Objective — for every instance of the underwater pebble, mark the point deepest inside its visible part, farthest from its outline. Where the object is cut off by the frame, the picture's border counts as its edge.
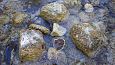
(58, 43)
(76, 4)
(84, 17)
(88, 7)
(57, 55)
(19, 17)
(58, 30)
(54, 12)
(87, 37)
(4, 19)
(31, 45)
(40, 27)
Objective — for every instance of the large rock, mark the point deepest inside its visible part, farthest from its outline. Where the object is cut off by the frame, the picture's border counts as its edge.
(54, 12)
(31, 45)
(88, 37)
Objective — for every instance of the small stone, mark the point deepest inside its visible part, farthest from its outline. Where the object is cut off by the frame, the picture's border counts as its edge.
(57, 55)
(88, 37)
(39, 27)
(58, 30)
(88, 7)
(4, 19)
(73, 3)
(51, 53)
(54, 12)
(31, 45)
(19, 17)
(58, 43)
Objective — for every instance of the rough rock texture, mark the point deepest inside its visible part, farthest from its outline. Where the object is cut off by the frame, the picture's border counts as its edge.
(88, 7)
(19, 17)
(87, 37)
(58, 30)
(39, 27)
(31, 45)
(4, 19)
(54, 12)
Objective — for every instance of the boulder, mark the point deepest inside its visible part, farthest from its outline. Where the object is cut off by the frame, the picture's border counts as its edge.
(88, 38)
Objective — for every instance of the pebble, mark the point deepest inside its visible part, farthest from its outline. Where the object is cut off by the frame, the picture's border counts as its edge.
(58, 30)
(19, 17)
(88, 7)
(57, 55)
(40, 27)
(59, 43)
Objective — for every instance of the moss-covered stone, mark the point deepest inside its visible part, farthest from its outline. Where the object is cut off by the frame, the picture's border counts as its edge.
(54, 12)
(87, 37)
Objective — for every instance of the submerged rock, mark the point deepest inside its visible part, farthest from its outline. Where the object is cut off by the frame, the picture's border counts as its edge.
(31, 45)
(19, 17)
(4, 19)
(58, 43)
(57, 55)
(87, 37)
(88, 7)
(58, 30)
(41, 28)
(54, 12)
(73, 3)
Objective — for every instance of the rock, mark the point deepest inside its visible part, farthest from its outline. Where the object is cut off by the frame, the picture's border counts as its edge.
(39, 27)
(95, 2)
(88, 38)
(19, 17)
(54, 12)
(58, 43)
(88, 7)
(4, 19)
(57, 55)
(58, 30)
(73, 3)
(31, 45)
(35, 1)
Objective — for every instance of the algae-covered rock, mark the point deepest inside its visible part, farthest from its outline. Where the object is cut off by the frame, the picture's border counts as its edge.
(54, 12)
(19, 17)
(40, 27)
(4, 19)
(31, 45)
(87, 37)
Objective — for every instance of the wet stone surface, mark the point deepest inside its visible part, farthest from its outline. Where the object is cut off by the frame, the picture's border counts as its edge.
(54, 45)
